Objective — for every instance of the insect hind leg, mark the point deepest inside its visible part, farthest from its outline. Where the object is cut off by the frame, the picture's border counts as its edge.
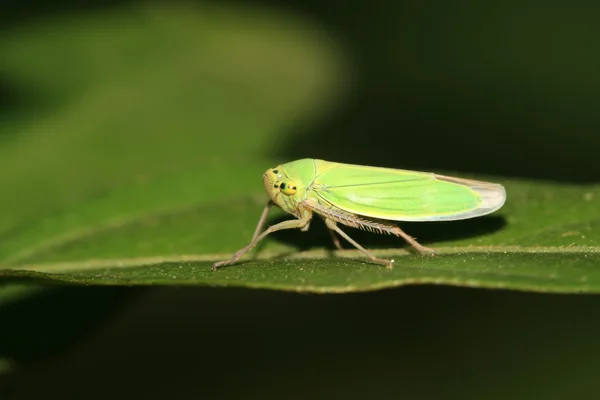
(412, 241)
(333, 216)
(331, 224)
(335, 239)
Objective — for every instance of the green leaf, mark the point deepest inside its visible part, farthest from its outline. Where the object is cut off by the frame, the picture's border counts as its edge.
(141, 164)
(543, 269)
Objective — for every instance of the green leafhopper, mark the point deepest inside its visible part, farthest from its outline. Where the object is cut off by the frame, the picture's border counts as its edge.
(368, 198)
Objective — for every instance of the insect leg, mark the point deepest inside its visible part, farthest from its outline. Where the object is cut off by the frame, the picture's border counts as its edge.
(355, 221)
(289, 224)
(410, 240)
(333, 226)
(262, 220)
(336, 240)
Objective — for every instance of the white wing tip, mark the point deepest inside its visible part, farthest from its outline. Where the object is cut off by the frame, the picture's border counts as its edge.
(493, 197)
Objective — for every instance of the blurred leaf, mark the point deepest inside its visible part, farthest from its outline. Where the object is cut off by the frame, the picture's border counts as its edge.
(51, 318)
(16, 291)
(141, 163)
(6, 365)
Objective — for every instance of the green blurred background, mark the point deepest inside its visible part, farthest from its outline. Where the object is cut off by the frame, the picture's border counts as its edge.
(112, 108)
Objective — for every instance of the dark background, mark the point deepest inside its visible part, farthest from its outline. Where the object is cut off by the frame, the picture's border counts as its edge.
(508, 88)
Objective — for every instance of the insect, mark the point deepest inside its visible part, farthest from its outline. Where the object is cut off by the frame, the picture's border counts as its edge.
(368, 198)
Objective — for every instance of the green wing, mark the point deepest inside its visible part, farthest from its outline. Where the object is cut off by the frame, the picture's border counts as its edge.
(402, 195)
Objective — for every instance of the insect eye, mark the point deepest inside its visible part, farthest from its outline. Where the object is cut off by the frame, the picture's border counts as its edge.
(288, 188)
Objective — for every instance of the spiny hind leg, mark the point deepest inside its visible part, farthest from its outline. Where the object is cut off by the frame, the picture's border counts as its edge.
(332, 216)
(333, 226)
(411, 240)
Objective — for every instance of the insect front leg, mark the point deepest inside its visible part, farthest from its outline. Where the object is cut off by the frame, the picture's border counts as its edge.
(290, 224)
(305, 227)
(263, 218)
(333, 226)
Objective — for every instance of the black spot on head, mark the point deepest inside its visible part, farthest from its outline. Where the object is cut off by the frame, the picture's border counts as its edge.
(275, 186)
(275, 171)
(294, 188)
(282, 185)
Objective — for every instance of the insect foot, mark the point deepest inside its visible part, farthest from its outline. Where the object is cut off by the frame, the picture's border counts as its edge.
(427, 251)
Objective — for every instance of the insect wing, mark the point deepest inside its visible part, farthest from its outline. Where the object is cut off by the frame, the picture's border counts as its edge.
(403, 195)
